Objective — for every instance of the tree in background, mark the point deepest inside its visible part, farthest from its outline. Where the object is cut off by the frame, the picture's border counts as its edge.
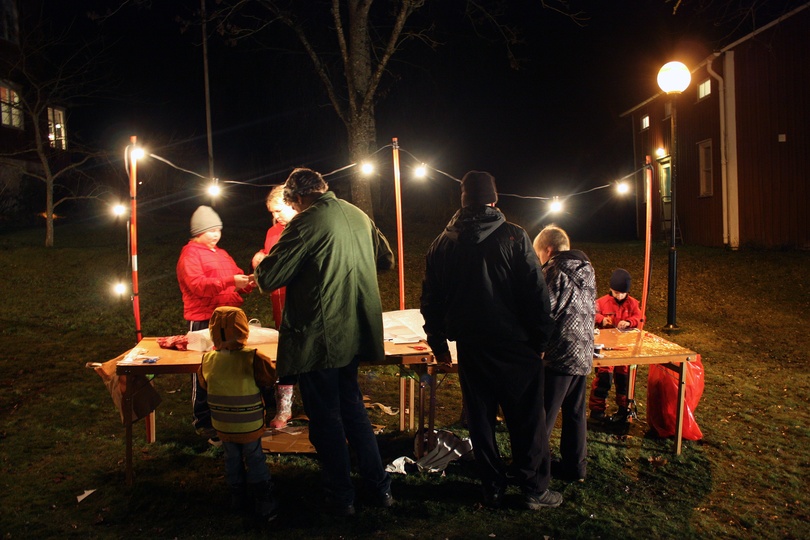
(350, 45)
(49, 72)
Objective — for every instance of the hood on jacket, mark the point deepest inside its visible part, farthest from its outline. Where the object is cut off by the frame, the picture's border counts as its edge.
(570, 262)
(229, 328)
(472, 225)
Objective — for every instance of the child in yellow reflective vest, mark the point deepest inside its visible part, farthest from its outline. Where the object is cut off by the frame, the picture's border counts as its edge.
(234, 376)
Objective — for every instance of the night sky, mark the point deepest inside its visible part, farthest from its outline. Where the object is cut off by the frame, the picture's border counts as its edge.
(550, 128)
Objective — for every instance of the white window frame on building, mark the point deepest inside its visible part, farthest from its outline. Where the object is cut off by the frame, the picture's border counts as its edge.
(11, 114)
(706, 168)
(57, 129)
(704, 89)
(645, 122)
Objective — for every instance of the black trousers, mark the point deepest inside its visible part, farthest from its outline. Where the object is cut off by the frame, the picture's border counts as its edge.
(565, 394)
(201, 414)
(509, 375)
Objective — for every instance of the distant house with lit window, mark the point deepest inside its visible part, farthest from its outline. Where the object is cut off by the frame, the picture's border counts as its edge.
(742, 136)
(17, 133)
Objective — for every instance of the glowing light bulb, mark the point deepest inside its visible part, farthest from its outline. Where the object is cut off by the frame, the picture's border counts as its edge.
(674, 77)
(120, 289)
(556, 205)
(660, 152)
(622, 187)
(366, 168)
(119, 209)
(137, 153)
(420, 171)
(214, 190)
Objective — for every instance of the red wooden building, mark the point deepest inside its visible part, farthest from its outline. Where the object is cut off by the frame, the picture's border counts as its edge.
(743, 144)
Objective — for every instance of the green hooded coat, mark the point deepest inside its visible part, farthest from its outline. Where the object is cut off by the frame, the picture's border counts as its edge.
(328, 257)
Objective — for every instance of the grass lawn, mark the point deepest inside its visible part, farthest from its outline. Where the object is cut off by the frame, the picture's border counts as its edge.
(746, 312)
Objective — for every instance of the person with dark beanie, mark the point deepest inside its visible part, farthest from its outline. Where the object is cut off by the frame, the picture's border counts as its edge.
(615, 310)
(484, 289)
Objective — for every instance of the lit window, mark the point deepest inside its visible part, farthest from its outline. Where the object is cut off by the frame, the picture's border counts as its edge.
(645, 121)
(705, 156)
(10, 111)
(704, 88)
(57, 132)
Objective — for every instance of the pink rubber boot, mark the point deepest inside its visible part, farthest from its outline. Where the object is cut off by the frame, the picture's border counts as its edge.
(284, 397)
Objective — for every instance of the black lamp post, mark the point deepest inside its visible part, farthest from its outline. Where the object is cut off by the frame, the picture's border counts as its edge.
(673, 78)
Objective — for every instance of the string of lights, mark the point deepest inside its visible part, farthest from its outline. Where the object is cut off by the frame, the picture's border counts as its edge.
(134, 153)
(421, 170)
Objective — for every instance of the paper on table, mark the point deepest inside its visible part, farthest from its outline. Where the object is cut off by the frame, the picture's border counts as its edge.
(405, 326)
(133, 354)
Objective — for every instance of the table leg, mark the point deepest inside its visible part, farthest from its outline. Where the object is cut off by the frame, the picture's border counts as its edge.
(127, 404)
(631, 393)
(681, 402)
(412, 397)
(432, 413)
(420, 433)
(151, 427)
(402, 392)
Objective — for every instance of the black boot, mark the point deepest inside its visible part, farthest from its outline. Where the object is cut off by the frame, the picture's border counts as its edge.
(622, 416)
(265, 504)
(239, 498)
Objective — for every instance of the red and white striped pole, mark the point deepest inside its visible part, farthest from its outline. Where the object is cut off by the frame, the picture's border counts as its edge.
(133, 234)
(400, 248)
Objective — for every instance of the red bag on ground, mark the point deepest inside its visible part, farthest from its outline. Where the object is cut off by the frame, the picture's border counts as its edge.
(662, 399)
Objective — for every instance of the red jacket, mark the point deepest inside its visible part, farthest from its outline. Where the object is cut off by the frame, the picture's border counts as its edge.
(628, 310)
(206, 281)
(278, 296)
(273, 234)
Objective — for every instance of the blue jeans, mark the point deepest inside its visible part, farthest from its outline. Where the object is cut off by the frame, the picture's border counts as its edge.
(245, 463)
(334, 404)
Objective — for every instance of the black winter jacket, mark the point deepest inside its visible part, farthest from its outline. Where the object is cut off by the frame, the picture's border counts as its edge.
(483, 283)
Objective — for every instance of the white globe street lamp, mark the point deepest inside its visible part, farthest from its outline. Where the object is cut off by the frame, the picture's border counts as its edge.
(673, 78)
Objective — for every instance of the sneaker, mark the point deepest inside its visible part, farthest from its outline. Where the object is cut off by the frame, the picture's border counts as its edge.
(342, 510)
(339, 509)
(386, 500)
(547, 499)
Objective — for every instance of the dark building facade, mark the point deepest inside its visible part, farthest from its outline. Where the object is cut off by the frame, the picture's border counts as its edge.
(743, 148)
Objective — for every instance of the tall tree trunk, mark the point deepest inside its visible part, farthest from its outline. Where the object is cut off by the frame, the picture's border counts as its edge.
(49, 212)
(362, 133)
(360, 122)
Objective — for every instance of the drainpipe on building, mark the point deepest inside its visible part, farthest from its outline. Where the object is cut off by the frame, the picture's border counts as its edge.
(721, 89)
